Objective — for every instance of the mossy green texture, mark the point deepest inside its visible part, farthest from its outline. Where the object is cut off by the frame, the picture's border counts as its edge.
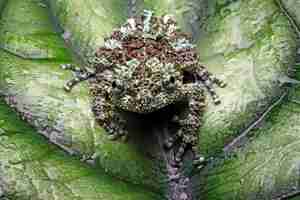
(252, 46)
(35, 88)
(32, 168)
(248, 43)
(268, 166)
(85, 23)
(2, 4)
(29, 35)
(293, 7)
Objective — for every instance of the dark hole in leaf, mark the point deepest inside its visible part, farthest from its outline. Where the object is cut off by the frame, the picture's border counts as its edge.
(188, 77)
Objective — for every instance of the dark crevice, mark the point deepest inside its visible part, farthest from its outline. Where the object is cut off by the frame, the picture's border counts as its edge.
(177, 182)
(188, 77)
(5, 197)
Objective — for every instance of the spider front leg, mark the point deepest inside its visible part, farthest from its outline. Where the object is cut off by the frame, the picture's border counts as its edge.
(108, 117)
(117, 127)
(208, 80)
(189, 123)
(189, 140)
(81, 74)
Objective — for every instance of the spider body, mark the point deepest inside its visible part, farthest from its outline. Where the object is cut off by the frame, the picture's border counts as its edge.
(144, 66)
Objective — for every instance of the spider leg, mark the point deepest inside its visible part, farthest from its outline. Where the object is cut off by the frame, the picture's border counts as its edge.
(217, 81)
(180, 152)
(199, 160)
(169, 142)
(81, 74)
(190, 122)
(105, 113)
(116, 127)
(71, 67)
(208, 80)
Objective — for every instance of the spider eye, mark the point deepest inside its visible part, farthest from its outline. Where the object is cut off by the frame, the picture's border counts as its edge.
(169, 83)
(117, 86)
(172, 80)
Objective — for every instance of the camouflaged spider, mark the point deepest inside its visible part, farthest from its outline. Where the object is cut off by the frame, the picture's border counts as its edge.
(145, 66)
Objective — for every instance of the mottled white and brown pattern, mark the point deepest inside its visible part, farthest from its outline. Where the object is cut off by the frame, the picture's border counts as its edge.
(145, 66)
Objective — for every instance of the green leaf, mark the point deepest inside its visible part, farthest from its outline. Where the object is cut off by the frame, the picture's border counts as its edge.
(32, 82)
(249, 44)
(268, 166)
(32, 168)
(291, 8)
